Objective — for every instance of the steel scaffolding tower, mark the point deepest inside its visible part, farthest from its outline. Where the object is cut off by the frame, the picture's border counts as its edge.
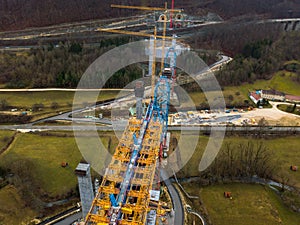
(85, 187)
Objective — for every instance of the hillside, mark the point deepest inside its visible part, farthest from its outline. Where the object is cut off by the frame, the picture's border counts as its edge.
(20, 14)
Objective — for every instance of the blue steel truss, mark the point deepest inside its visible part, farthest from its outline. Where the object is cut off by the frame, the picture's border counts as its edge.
(161, 102)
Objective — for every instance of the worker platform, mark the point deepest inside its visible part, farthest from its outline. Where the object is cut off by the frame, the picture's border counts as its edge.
(129, 192)
(134, 209)
(126, 191)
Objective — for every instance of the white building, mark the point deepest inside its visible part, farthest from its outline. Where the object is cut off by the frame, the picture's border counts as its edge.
(273, 95)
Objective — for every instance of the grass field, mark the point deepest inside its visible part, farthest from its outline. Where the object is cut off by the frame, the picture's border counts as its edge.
(43, 155)
(251, 204)
(285, 151)
(13, 210)
(38, 159)
(63, 98)
(281, 81)
(24, 101)
(5, 137)
(289, 109)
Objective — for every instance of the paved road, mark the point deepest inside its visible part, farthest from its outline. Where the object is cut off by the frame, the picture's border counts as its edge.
(199, 216)
(70, 219)
(276, 104)
(65, 29)
(170, 128)
(64, 218)
(177, 204)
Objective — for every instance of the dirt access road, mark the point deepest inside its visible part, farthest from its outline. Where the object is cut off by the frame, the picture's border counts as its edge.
(274, 116)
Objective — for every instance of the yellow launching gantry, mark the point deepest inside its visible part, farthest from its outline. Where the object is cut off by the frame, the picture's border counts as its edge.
(123, 197)
(142, 34)
(135, 208)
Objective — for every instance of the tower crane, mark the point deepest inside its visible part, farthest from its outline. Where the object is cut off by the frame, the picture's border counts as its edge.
(142, 34)
(124, 194)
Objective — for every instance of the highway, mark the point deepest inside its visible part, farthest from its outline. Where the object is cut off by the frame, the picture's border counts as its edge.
(88, 28)
(269, 129)
(65, 29)
(177, 204)
(284, 20)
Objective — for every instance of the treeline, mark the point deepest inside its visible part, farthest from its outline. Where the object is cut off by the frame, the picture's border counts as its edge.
(244, 160)
(270, 8)
(60, 65)
(20, 119)
(232, 37)
(63, 65)
(261, 59)
(259, 50)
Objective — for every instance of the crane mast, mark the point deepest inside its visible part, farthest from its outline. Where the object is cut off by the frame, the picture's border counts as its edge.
(124, 194)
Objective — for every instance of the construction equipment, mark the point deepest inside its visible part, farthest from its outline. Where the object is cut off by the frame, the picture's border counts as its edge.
(124, 194)
(154, 39)
(117, 31)
(123, 197)
(153, 36)
(163, 18)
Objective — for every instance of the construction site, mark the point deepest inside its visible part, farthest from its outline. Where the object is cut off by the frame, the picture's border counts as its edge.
(131, 188)
(145, 112)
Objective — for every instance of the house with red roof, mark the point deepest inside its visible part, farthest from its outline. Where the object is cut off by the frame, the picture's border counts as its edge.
(255, 97)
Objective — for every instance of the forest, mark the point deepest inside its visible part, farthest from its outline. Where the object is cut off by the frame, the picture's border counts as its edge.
(261, 59)
(257, 56)
(59, 65)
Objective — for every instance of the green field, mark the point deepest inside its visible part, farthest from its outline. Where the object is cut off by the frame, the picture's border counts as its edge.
(13, 209)
(63, 98)
(289, 109)
(42, 157)
(5, 137)
(35, 161)
(285, 151)
(281, 81)
(250, 204)
(23, 101)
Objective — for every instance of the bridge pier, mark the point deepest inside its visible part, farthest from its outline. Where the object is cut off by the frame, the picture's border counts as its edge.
(287, 26)
(296, 25)
(291, 25)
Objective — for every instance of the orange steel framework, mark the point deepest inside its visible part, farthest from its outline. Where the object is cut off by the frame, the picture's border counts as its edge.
(135, 209)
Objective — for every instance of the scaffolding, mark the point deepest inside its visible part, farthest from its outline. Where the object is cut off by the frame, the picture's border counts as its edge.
(123, 197)
(124, 194)
(134, 208)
